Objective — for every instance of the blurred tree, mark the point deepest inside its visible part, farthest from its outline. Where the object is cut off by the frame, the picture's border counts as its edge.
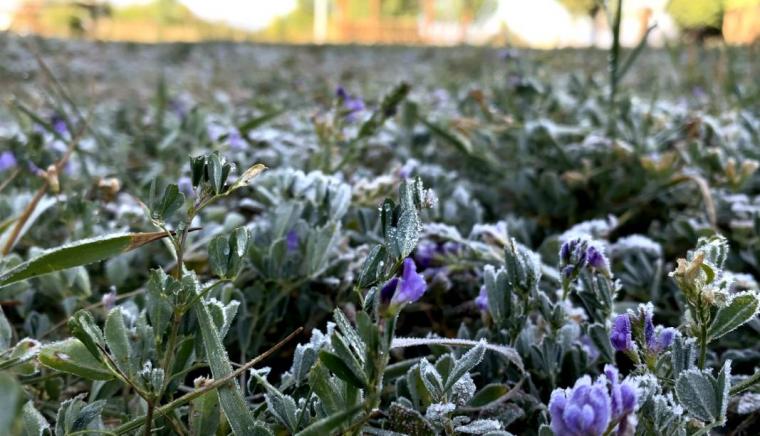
(587, 8)
(697, 18)
(401, 8)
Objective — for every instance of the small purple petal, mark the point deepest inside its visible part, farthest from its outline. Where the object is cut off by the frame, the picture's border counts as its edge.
(411, 286)
(620, 336)
(481, 301)
(292, 241)
(388, 290)
(596, 259)
(7, 161)
(237, 143)
(665, 339)
(649, 337)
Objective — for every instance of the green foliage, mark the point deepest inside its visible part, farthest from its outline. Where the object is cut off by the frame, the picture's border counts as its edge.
(696, 14)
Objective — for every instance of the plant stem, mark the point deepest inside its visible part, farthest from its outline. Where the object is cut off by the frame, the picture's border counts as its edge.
(745, 384)
(39, 194)
(181, 401)
(149, 419)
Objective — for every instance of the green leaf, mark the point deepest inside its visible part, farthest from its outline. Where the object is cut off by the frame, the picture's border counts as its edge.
(83, 327)
(204, 415)
(601, 340)
(467, 362)
(170, 203)
(722, 389)
(326, 425)
(117, 339)
(10, 395)
(489, 394)
(72, 357)
(340, 369)
(82, 252)
(739, 310)
(231, 398)
(325, 388)
(432, 380)
(696, 392)
(34, 423)
(6, 333)
(348, 331)
(371, 268)
(507, 352)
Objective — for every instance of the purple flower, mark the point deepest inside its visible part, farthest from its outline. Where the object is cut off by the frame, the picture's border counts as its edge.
(566, 250)
(7, 161)
(405, 289)
(481, 301)
(583, 410)
(185, 185)
(590, 409)
(237, 143)
(649, 337)
(623, 395)
(665, 339)
(596, 259)
(425, 253)
(351, 105)
(292, 240)
(620, 337)
(59, 124)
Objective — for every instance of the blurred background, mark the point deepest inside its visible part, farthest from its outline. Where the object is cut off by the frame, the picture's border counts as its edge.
(519, 23)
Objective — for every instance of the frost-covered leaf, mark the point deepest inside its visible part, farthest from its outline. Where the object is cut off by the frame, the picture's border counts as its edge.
(740, 309)
(34, 423)
(10, 396)
(78, 253)
(465, 364)
(432, 379)
(480, 426)
(507, 352)
(71, 356)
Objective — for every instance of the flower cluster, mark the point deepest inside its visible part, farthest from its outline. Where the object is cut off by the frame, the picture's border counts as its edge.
(594, 408)
(635, 332)
(579, 253)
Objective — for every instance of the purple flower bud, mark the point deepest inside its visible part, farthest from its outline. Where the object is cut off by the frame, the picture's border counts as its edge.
(341, 93)
(565, 251)
(583, 410)
(481, 301)
(649, 337)
(665, 339)
(620, 336)
(7, 161)
(567, 272)
(59, 124)
(622, 395)
(405, 289)
(292, 240)
(596, 259)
